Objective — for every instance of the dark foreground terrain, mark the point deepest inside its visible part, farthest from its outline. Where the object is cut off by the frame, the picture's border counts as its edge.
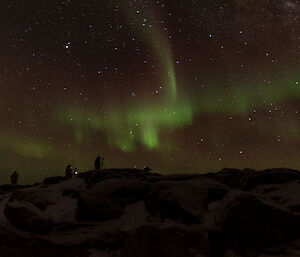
(133, 213)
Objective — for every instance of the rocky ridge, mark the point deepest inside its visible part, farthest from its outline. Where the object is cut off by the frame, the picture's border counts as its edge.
(130, 212)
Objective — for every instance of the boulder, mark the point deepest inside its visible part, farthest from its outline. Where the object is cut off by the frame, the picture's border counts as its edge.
(184, 201)
(26, 216)
(33, 195)
(252, 222)
(106, 200)
(156, 240)
(98, 208)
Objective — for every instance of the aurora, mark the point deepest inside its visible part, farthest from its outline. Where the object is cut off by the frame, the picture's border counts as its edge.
(180, 87)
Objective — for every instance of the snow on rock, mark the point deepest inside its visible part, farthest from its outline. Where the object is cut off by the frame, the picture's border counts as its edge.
(167, 240)
(65, 196)
(33, 195)
(135, 216)
(107, 199)
(26, 216)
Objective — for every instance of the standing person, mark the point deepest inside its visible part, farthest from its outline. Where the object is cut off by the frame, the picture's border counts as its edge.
(69, 171)
(14, 178)
(102, 160)
(97, 163)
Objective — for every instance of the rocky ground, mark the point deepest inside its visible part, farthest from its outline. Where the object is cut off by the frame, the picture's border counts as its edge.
(133, 213)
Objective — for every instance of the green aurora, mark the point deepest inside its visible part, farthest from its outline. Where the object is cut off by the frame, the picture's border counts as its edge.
(210, 97)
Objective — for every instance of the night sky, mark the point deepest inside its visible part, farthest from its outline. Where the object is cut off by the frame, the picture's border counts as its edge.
(179, 86)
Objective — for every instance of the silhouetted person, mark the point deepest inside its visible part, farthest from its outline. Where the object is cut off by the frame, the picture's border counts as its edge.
(69, 171)
(146, 168)
(14, 177)
(102, 160)
(97, 163)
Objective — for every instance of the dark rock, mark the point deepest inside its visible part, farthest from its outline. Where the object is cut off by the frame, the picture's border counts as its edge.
(93, 177)
(108, 240)
(248, 221)
(270, 189)
(231, 253)
(26, 216)
(186, 201)
(249, 179)
(106, 200)
(271, 176)
(279, 199)
(54, 180)
(165, 241)
(14, 245)
(173, 177)
(72, 192)
(36, 197)
(66, 226)
(8, 188)
(98, 208)
(234, 178)
(294, 208)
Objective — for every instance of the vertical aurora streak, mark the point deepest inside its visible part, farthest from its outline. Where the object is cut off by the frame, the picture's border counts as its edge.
(142, 122)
